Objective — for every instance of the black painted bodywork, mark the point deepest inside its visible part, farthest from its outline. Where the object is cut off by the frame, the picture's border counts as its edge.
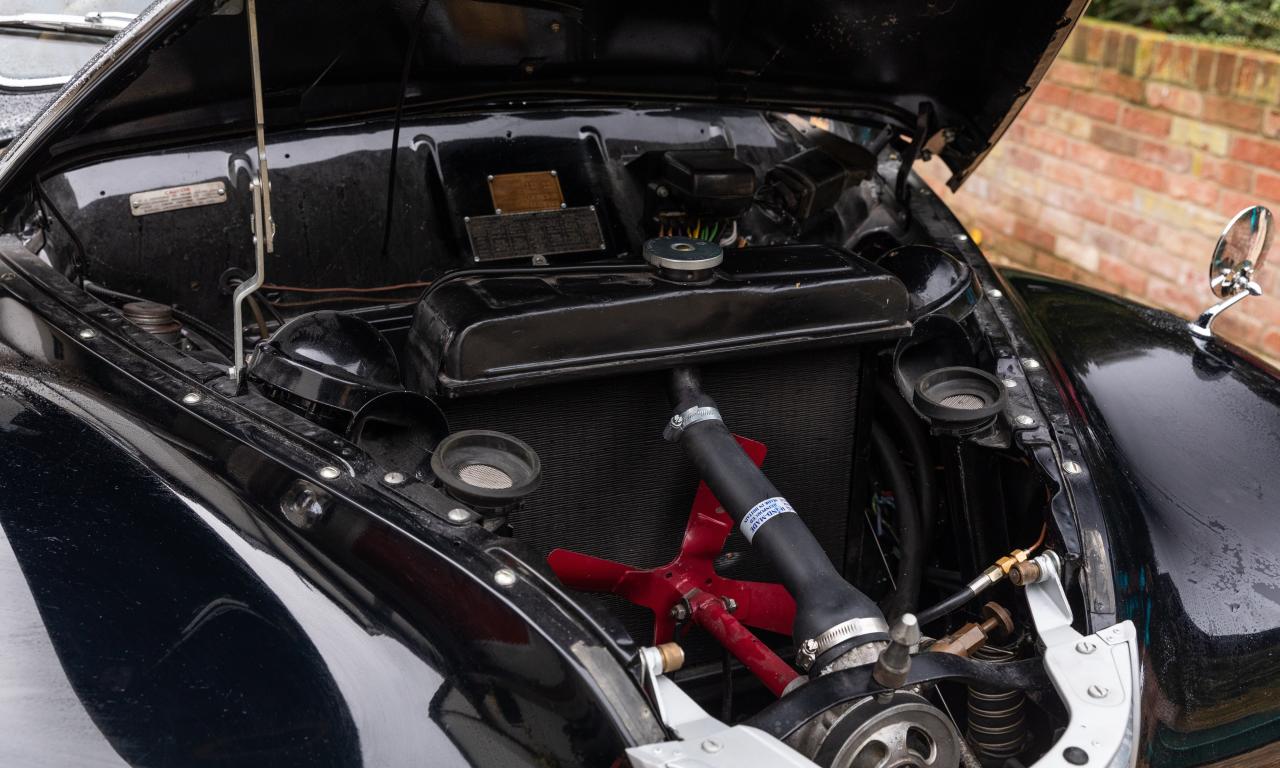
(975, 63)
(332, 239)
(1187, 434)
(191, 625)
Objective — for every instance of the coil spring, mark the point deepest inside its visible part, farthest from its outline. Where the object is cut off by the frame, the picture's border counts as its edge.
(997, 720)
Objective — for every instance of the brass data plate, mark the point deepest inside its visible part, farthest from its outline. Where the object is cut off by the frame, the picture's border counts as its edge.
(524, 192)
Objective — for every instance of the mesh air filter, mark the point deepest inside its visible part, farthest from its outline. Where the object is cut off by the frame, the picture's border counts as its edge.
(485, 476)
(963, 401)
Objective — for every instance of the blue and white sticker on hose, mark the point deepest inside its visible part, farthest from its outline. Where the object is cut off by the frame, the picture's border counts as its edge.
(762, 513)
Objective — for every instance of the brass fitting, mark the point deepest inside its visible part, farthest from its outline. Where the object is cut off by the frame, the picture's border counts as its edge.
(996, 623)
(1000, 570)
(1025, 573)
(1009, 561)
(672, 657)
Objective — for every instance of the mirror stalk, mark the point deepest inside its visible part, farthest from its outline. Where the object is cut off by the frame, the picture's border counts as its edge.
(1203, 326)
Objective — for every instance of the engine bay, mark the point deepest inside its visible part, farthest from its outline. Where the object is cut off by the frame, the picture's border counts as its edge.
(706, 367)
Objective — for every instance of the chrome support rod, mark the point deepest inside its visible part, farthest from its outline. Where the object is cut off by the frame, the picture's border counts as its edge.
(1203, 326)
(264, 226)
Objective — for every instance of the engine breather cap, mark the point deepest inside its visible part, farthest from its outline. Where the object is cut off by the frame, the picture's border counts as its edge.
(683, 258)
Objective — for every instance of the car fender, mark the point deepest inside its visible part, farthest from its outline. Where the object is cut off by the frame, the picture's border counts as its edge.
(1183, 439)
(154, 614)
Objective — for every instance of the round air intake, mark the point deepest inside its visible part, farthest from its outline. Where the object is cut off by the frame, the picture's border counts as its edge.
(489, 470)
(959, 399)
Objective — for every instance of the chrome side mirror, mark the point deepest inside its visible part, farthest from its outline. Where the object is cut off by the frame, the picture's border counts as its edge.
(1238, 255)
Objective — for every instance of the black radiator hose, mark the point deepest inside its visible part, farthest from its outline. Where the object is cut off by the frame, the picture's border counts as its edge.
(910, 532)
(824, 600)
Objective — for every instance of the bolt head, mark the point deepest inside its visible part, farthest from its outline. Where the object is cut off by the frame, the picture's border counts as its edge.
(504, 577)
(1098, 691)
(1030, 363)
(191, 398)
(1025, 421)
(711, 746)
(394, 478)
(1072, 468)
(1086, 647)
(457, 515)
(330, 473)
(679, 612)
(87, 333)
(1010, 383)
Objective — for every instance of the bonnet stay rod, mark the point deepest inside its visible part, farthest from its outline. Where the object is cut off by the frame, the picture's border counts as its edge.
(263, 226)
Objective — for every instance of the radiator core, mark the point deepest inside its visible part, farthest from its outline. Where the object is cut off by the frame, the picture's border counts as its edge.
(613, 488)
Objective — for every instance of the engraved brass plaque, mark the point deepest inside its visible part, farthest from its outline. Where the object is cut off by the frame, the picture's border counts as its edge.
(524, 192)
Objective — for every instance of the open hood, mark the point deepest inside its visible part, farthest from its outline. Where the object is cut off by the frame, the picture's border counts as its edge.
(184, 64)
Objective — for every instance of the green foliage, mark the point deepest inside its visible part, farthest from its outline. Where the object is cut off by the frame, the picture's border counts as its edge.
(1254, 23)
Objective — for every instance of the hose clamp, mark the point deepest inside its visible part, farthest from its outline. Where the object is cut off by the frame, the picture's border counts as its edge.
(814, 647)
(682, 421)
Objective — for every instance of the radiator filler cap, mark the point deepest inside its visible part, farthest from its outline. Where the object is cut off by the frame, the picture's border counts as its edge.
(683, 258)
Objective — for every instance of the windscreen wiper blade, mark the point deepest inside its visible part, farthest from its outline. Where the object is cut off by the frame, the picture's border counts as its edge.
(97, 23)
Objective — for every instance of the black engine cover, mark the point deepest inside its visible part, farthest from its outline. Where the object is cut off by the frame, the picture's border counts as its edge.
(493, 331)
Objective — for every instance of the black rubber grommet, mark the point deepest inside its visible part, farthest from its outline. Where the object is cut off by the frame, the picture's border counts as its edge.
(486, 468)
(959, 398)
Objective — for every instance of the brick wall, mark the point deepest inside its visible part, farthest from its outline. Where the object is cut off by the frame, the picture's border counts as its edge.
(1122, 170)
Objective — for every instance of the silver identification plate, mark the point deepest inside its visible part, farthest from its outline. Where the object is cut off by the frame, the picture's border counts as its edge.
(177, 198)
